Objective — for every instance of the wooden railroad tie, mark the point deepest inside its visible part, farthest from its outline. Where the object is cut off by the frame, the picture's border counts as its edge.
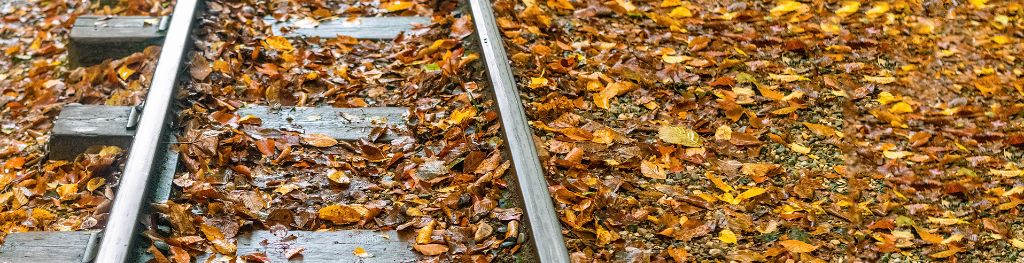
(79, 127)
(98, 38)
(333, 246)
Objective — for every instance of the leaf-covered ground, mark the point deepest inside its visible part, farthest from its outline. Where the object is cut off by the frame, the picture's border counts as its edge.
(839, 131)
(441, 177)
(35, 83)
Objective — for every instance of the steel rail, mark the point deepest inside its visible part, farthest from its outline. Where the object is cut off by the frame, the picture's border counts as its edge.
(122, 224)
(533, 188)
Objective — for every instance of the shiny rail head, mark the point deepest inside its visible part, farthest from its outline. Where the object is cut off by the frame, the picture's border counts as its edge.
(545, 228)
(121, 228)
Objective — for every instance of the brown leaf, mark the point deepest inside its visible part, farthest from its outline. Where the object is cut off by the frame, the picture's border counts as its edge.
(180, 255)
(431, 249)
(759, 172)
(200, 67)
(652, 170)
(319, 140)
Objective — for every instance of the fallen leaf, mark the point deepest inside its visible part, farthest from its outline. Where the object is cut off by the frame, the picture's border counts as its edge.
(393, 6)
(878, 9)
(652, 170)
(727, 236)
(680, 135)
(538, 82)
(361, 252)
(319, 140)
(680, 12)
(848, 8)
(343, 214)
(786, 6)
(278, 43)
(431, 249)
(750, 193)
(603, 98)
(797, 246)
(796, 147)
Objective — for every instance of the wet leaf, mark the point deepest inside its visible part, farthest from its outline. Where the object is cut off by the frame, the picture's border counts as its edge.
(396, 5)
(797, 246)
(361, 252)
(278, 43)
(680, 135)
(652, 170)
(319, 140)
(727, 236)
(430, 249)
(343, 214)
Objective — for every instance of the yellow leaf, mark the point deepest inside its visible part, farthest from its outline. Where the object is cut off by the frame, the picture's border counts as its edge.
(1007, 173)
(680, 12)
(879, 80)
(830, 28)
(750, 193)
(672, 59)
(901, 107)
(423, 235)
(343, 214)
(95, 183)
(680, 135)
(67, 191)
(848, 7)
(627, 5)
(124, 72)
(821, 130)
(797, 246)
(728, 198)
(396, 5)
(1017, 243)
(885, 98)
(723, 133)
(338, 177)
(718, 183)
(796, 147)
(278, 43)
(787, 6)
(945, 254)
(787, 77)
(979, 4)
(952, 238)
(1000, 39)
(605, 237)
(727, 236)
(671, 3)
(361, 252)
(945, 221)
(561, 4)
(538, 82)
(221, 66)
(878, 9)
(462, 115)
(895, 154)
(652, 170)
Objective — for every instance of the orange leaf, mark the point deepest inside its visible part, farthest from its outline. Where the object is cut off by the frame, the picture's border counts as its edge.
(319, 140)
(431, 249)
(797, 246)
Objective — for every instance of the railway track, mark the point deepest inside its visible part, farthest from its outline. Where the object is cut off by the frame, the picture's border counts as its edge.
(159, 160)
